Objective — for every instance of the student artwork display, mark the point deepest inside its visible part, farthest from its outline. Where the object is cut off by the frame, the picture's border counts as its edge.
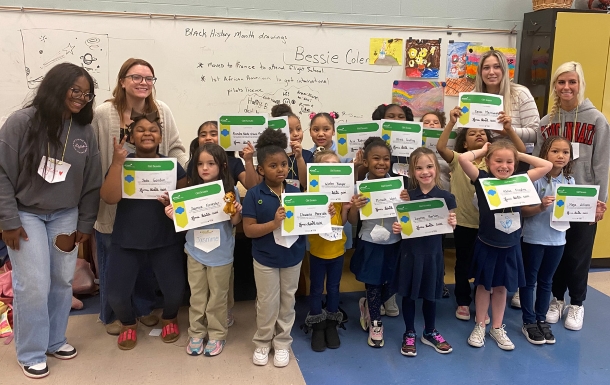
(351, 137)
(423, 217)
(403, 137)
(423, 58)
(305, 214)
(385, 52)
(575, 203)
(237, 130)
(382, 194)
(517, 190)
(457, 57)
(419, 96)
(148, 178)
(480, 110)
(540, 66)
(334, 179)
(198, 206)
(474, 58)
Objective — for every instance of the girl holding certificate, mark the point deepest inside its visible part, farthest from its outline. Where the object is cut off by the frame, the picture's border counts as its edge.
(377, 249)
(421, 266)
(543, 242)
(142, 234)
(326, 264)
(575, 118)
(210, 261)
(497, 261)
(277, 259)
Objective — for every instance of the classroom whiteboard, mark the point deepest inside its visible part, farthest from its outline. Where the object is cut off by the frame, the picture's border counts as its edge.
(206, 69)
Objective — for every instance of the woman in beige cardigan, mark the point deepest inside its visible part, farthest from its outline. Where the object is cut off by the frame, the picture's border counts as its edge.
(134, 90)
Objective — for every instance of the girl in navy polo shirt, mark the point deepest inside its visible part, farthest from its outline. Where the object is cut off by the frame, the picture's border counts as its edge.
(421, 265)
(497, 261)
(277, 259)
(142, 234)
(377, 249)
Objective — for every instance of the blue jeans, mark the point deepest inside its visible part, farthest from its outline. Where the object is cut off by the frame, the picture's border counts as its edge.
(143, 298)
(540, 263)
(42, 284)
(320, 268)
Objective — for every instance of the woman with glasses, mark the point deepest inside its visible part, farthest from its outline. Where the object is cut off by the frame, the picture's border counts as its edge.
(50, 178)
(134, 91)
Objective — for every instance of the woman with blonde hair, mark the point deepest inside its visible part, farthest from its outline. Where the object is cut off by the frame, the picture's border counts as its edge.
(575, 118)
(134, 91)
(492, 77)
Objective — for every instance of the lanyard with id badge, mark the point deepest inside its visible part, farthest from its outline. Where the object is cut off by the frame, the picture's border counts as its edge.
(293, 182)
(51, 169)
(401, 169)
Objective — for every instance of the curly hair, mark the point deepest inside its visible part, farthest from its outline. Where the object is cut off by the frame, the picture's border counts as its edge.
(270, 142)
(381, 109)
(372, 142)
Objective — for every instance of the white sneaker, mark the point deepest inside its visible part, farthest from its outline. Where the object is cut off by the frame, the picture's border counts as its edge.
(575, 317)
(477, 337)
(281, 358)
(391, 308)
(260, 356)
(501, 338)
(65, 352)
(36, 371)
(516, 300)
(555, 312)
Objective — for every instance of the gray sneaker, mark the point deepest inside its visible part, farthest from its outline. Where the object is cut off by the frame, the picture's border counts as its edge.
(477, 337)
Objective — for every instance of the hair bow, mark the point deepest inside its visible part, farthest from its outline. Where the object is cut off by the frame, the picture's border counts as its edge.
(312, 115)
(333, 114)
(151, 116)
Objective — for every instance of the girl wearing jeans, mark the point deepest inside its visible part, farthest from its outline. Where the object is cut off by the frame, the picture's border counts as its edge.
(50, 176)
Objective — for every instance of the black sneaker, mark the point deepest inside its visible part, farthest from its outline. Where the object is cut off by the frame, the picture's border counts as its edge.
(66, 352)
(545, 329)
(533, 334)
(445, 291)
(36, 371)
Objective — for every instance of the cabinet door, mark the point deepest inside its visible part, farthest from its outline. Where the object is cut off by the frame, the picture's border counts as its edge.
(585, 38)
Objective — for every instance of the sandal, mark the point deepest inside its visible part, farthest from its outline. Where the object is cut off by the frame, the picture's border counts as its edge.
(128, 337)
(170, 332)
(195, 346)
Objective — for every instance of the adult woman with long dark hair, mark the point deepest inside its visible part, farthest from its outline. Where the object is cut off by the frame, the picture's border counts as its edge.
(50, 176)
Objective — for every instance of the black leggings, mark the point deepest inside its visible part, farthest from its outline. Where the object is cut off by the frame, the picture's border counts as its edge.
(464, 238)
(573, 270)
(123, 266)
(408, 314)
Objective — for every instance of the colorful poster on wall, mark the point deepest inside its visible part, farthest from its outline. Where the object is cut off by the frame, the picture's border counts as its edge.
(385, 52)
(423, 58)
(420, 96)
(474, 57)
(457, 57)
(540, 66)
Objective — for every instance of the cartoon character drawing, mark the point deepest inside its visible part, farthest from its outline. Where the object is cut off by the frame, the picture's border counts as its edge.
(229, 206)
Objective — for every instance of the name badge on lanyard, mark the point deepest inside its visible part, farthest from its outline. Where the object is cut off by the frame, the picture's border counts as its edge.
(55, 170)
(294, 182)
(507, 222)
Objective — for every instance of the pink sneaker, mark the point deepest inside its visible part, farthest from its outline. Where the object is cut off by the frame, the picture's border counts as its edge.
(376, 334)
(463, 313)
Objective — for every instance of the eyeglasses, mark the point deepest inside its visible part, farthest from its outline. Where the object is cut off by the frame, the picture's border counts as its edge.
(139, 78)
(78, 94)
